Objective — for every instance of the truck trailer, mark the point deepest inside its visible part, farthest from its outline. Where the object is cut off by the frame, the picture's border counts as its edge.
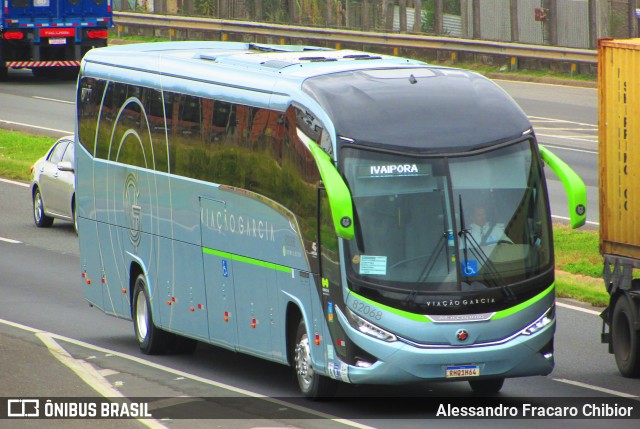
(619, 172)
(51, 36)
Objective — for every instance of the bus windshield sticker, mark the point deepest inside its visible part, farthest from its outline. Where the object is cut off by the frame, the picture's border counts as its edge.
(373, 265)
(469, 267)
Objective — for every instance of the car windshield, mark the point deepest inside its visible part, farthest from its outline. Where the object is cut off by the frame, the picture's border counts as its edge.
(447, 224)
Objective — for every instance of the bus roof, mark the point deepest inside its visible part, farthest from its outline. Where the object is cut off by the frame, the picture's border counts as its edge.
(369, 98)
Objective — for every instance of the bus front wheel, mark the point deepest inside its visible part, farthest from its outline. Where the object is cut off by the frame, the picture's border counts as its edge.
(312, 385)
(625, 338)
(151, 339)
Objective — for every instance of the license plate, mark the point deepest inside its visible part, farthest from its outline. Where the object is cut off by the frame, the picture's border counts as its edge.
(57, 41)
(462, 371)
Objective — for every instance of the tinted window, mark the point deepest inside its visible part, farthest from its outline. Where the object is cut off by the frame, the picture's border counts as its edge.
(217, 141)
(131, 131)
(69, 154)
(56, 154)
(89, 97)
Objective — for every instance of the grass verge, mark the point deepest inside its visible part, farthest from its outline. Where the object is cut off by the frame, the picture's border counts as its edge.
(19, 151)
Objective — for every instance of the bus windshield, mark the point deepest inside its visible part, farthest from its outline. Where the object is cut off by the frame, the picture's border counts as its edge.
(429, 225)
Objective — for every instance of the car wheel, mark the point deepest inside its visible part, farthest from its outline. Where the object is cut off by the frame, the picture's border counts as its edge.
(39, 217)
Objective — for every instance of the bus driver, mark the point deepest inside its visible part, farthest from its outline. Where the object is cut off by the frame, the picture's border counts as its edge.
(485, 232)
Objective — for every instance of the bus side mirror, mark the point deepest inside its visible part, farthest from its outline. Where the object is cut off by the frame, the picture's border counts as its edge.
(337, 191)
(573, 185)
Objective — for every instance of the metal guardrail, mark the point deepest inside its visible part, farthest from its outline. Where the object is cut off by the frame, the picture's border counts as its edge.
(343, 38)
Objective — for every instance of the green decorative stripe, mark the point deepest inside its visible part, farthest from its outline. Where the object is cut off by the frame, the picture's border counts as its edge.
(401, 313)
(246, 260)
(422, 318)
(510, 311)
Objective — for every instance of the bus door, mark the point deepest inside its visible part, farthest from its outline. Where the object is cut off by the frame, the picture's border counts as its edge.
(218, 277)
(240, 281)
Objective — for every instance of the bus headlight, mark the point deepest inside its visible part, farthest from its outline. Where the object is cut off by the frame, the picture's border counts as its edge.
(369, 328)
(541, 322)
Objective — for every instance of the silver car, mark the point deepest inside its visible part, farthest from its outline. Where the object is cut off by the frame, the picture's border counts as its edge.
(53, 184)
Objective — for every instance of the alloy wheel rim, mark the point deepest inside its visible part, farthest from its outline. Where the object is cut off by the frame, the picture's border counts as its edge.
(37, 211)
(141, 317)
(304, 371)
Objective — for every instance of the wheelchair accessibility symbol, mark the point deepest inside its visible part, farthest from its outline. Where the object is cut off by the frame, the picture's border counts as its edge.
(469, 267)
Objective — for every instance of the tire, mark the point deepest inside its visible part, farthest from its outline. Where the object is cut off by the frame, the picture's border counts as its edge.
(625, 339)
(151, 339)
(311, 384)
(39, 217)
(488, 386)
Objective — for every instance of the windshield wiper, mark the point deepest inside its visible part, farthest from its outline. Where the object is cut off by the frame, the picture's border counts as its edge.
(411, 296)
(432, 260)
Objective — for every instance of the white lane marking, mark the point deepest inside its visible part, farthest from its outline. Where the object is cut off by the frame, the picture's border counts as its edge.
(562, 121)
(44, 334)
(593, 139)
(88, 374)
(13, 182)
(65, 132)
(591, 152)
(596, 388)
(54, 99)
(568, 84)
(9, 240)
(576, 308)
(564, 129)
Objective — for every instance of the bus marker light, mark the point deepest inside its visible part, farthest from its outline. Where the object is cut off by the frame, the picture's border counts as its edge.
(226, 316)
(317, 340)
(88, 281)
(124, 291)
(254, 322)
(84, 275)
(168, 302)
(192, 309)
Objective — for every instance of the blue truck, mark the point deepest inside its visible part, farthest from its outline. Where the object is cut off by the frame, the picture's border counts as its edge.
(51, 36)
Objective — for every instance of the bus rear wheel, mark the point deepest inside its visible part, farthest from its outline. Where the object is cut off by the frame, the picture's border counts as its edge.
(486, 387)
(625, 338)
(312, 385)
(151, 339)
